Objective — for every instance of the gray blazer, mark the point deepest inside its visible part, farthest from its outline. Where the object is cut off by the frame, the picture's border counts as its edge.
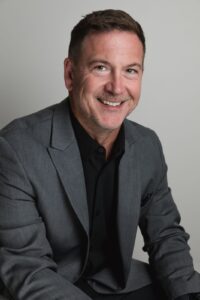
(44, 227)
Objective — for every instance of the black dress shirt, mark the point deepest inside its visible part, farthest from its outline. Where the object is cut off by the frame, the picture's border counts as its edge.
(101, 179)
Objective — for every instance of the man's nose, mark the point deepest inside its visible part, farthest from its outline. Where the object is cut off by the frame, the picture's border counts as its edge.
(115, 84)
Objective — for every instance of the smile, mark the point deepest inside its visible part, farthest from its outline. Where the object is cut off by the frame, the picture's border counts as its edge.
(109, 103)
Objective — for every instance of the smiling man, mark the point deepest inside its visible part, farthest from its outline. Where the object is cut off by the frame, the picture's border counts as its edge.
(78, 178)
(104, 85)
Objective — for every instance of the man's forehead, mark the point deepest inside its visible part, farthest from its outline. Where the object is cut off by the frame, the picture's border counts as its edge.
(111, 39)
(111, 44)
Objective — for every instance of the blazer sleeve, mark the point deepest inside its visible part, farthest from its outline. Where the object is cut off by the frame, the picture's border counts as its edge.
(27, 268)
(164, 239)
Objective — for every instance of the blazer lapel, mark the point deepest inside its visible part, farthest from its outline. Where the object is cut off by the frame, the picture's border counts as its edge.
(128, 204)
(65, 155)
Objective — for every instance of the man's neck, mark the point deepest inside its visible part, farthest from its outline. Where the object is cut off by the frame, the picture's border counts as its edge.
(106, 140)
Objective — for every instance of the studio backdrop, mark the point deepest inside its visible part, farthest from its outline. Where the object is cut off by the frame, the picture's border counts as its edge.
(34, 37)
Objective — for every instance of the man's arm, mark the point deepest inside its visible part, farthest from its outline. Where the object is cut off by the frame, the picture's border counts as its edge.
(165, 240)
(27, 268)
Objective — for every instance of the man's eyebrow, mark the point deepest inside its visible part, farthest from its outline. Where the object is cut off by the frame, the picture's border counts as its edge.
(98, 61)
(135, 65)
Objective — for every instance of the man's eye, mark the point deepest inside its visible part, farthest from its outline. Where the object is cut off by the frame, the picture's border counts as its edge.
(132, 71)
(100, 68)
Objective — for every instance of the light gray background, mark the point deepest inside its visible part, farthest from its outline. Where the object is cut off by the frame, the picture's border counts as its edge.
(34, 36)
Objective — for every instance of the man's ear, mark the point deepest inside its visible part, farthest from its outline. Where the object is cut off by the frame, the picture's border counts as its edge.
(68, 76)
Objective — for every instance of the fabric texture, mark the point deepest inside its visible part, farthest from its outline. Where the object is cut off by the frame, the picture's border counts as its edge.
(44, 221)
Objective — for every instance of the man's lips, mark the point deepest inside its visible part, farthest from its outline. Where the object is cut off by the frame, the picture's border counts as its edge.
(111, 103)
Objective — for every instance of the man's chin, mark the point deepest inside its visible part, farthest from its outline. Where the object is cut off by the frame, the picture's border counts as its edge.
(111, 127)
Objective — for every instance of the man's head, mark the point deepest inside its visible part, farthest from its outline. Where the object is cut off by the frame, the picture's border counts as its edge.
(103, 21)
(103, 72)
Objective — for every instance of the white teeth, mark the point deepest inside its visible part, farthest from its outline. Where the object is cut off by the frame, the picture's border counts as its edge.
(111, 103)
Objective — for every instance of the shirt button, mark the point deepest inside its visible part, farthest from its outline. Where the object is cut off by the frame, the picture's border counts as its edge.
(101, 150)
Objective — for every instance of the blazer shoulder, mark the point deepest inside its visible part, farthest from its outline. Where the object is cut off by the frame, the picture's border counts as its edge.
(28, 121)
(35, 124)
(137, 132)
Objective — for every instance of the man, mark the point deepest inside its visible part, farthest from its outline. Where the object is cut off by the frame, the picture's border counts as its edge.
(77, 178)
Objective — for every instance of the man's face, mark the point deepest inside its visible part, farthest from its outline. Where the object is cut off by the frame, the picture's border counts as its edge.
(104, 83)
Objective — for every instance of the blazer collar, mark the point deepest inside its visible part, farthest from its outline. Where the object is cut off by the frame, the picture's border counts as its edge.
(131, 132)
(65, 155)
(62, 131)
